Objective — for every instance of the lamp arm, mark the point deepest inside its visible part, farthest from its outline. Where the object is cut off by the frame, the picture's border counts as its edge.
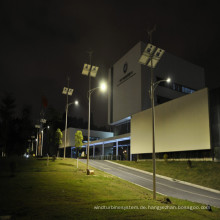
(158, 82)
(91, 91)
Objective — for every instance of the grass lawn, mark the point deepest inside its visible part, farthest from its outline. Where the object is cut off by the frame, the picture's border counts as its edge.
(61, 191)
(204, 173)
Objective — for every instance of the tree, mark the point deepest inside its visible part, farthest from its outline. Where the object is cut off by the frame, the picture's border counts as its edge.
(58, 138)
(7, 108)
(54, 119)
(78, 141)
(26, 128)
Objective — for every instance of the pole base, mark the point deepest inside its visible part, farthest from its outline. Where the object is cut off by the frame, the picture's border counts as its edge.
(90, 172)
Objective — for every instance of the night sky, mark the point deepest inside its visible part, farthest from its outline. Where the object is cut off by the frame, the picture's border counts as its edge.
(44, 41)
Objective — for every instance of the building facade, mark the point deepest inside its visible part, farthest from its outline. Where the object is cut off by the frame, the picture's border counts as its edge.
(70, 140)
(129, 84)
(187, 115)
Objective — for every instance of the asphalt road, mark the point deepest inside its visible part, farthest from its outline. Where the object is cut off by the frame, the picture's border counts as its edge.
(163, 186)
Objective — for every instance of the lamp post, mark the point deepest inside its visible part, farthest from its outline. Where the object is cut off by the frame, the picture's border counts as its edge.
(42, 131)
(103, 88)
(68, 92)
(37, 139)
(67, 106)
(150, 57)
(90, 71)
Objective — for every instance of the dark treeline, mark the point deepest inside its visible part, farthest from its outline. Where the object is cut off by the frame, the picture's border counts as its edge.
(14, 130)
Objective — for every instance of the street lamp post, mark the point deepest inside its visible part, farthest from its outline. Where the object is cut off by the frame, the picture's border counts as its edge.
(102, 87)
(68, 92)
(90, 71)
(151, 57)
(37, 139)
(42, 131)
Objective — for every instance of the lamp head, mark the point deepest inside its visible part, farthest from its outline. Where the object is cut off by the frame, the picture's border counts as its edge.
(168, 80)
(103, 86)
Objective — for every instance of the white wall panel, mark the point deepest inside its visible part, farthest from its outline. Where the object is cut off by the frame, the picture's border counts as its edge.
(180, 125)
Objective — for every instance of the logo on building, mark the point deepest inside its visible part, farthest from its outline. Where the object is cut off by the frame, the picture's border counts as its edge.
(125, 67)
(126, 75)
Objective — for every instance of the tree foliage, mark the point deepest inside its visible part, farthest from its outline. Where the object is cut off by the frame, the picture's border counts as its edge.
(58, 137)
(78, 141)
(54, 119)
(14, 131)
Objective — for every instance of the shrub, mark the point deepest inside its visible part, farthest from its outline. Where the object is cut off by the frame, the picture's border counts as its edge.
(165, 157)
(189, 163)
(53, 158)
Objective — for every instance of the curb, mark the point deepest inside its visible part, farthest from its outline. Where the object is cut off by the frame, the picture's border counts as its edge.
(168, 178)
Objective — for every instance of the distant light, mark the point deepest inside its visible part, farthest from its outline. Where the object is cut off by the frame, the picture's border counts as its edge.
(76, 102)
(48, 126)
(168, 80)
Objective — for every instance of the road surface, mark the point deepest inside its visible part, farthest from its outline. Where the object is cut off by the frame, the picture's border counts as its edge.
(163, 186)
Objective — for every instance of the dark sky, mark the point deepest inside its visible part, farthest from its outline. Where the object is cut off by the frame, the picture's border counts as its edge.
(43, 41)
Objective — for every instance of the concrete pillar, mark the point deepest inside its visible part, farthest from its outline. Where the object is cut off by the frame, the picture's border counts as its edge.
(130, 157)
(93, 150)
(103, 149)
(116, 150)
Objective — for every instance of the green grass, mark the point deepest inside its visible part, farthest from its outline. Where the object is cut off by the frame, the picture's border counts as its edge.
(204, 173)
(61, 191)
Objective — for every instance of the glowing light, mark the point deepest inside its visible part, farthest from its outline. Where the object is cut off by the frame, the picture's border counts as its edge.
(103, 87)
(168, 80)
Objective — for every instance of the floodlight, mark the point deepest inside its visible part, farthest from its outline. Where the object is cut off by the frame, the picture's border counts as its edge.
(86, 69)
(70, 91)
(65, 90)
(94, 71)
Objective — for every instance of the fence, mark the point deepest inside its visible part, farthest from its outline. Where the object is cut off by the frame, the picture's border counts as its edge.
(106, 157)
